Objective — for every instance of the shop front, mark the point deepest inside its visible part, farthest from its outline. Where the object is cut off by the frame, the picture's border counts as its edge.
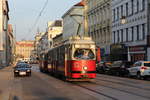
(137, 53)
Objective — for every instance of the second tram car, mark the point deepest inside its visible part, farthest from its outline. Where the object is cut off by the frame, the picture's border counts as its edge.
(74, 59)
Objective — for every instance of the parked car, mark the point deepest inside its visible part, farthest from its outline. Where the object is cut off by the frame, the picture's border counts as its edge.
(140, 69)
(120, 68)
(103, 67)
(22, 69)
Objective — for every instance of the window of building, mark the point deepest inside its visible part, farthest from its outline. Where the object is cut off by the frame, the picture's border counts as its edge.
(132, 33)
(97, 35)
(127, 34)
(117, 13)
(121, 10)
(143, 31)
(113, 14)
(143, 5)
(104, 40)
(118, 36)
(137, 5)
(138, 35)
(132, 6)
(127, 12)
(124, 35)
(114, 36)
(121, 35)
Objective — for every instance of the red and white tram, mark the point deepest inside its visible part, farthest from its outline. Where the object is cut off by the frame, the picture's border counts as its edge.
(74, 59)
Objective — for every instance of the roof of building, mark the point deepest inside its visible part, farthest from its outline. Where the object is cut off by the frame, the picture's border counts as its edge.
(82, 3)
(25, 43)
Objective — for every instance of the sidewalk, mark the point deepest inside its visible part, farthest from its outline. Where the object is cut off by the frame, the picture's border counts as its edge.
(5, 82)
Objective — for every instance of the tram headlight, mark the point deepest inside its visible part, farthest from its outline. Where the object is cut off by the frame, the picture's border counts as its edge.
(85, 68)
(16, 71)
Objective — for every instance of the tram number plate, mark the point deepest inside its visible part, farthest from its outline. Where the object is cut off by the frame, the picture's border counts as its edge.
(85, 76)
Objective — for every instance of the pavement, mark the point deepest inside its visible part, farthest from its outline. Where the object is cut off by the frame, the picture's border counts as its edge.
(5, 82)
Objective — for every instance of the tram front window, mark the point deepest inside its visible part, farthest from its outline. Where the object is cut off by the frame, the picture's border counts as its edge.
(84, 54)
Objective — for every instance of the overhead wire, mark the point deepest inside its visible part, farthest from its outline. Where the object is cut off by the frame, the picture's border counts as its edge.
(38, 17)
(14, 9)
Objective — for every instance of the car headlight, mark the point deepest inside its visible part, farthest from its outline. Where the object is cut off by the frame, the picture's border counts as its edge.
(28, 70)
(16, 71)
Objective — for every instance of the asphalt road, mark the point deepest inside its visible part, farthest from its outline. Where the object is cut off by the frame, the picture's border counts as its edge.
(42, 86)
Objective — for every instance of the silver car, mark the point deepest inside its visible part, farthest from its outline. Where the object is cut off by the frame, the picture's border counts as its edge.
(140, 69)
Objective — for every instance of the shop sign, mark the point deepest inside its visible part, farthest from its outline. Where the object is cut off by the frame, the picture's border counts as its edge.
(137, 48)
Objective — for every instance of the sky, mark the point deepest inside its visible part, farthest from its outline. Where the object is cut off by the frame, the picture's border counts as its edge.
(24, 13)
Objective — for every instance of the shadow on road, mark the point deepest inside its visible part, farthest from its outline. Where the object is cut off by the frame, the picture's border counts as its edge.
(53, 98)
(14, 98)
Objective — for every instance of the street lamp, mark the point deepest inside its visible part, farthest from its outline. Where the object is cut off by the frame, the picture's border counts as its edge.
(123, 20)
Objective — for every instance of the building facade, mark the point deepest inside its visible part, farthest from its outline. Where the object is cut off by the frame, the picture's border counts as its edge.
(10, 55)
(4, 17)
(24, 49)
(54, 28)
(130, 27)
(37, 47)
(44, 40)
(73, 21)
(99, 24)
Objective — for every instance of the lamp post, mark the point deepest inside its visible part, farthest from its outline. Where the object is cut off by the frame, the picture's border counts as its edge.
(123, 21)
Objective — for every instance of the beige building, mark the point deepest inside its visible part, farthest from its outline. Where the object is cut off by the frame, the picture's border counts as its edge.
(54, 28)
(4, 17)
(99, 23)
(44, 40)
(37, 43)
(24, 49)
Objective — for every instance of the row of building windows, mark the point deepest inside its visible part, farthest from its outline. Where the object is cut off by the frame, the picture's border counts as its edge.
(99, 14)
(130, 34)
(128, 9)
(101, 35)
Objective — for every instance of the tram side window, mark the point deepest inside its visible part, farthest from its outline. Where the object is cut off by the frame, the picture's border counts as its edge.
(84, 54)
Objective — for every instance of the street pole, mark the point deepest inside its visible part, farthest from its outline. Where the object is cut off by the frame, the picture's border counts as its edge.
(129, 56)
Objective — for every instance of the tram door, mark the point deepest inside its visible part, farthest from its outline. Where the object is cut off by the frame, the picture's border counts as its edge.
(68, 51)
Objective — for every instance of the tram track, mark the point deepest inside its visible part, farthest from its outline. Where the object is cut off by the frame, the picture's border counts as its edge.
(121, 90)
(94, 91)
(109, 87)
(130, 80)
(121, 83)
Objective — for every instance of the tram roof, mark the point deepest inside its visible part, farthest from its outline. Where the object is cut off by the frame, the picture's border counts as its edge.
(75, 40)
(78, 39)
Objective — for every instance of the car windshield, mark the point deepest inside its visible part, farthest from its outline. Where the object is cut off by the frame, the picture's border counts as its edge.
(147, 64)
(22, 66)
(84, 54)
